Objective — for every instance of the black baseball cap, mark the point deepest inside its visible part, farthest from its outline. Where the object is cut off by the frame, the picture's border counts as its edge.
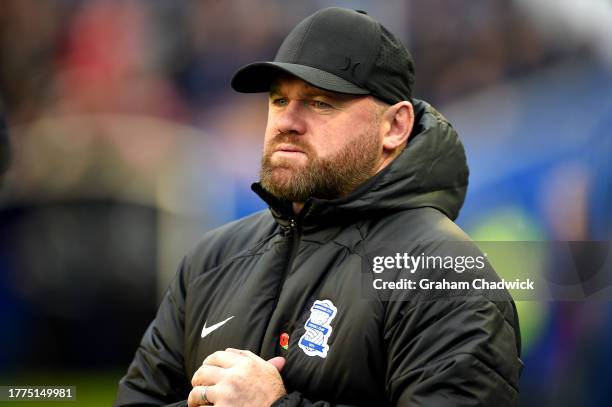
(339, 50)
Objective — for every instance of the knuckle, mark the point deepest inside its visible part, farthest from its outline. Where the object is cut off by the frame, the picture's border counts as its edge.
(231, 381)
(197, 377)
(191, 398)
(230, 386)
(211, 357)
(249, 364)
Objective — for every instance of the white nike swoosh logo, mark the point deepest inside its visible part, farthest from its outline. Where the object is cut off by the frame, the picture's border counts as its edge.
(207, 330)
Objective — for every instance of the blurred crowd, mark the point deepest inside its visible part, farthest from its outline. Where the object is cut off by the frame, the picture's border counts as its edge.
(127, 144)
(174, 60)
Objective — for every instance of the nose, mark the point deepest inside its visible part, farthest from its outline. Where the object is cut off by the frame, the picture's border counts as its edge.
(290, 119)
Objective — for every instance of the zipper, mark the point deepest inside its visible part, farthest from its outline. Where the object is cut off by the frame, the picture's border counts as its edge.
(294, 235)
(295, 232)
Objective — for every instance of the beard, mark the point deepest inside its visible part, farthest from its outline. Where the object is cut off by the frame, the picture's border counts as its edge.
(328, 178)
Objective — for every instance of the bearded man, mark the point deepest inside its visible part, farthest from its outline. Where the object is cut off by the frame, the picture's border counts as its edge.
(271, 310)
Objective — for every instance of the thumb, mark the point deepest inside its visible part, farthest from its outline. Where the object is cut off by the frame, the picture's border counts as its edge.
(278, 362)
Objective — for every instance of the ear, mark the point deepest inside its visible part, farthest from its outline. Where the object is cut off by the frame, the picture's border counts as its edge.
(398, 119)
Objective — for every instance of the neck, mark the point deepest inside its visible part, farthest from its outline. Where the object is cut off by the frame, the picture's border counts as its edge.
(297, 207)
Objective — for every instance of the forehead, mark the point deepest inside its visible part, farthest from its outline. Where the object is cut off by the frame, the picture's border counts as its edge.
(285, 83)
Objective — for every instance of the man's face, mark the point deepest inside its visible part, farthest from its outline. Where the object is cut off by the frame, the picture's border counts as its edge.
(318, 143)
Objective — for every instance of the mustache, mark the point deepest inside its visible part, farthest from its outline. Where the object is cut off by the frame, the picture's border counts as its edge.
(287, 138)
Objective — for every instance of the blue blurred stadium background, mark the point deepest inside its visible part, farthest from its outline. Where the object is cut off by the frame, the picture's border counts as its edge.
(128, 144)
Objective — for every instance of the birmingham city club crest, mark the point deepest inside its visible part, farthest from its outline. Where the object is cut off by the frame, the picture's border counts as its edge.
(318, 329)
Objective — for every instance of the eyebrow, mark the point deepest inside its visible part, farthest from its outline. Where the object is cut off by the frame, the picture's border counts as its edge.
(312, 91)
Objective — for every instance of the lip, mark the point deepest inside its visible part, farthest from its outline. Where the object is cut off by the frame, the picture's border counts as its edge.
(289, 148)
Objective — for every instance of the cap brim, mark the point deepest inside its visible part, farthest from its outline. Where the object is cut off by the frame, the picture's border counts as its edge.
(258, 76)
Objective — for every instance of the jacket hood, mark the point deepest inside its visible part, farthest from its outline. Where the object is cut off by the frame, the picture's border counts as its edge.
(430, 172)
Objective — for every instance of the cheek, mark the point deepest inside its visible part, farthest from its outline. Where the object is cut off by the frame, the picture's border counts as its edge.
(269, 134)
(270, 123)
(335, 138)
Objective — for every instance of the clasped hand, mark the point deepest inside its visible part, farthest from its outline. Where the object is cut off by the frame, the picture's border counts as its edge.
(235, 377)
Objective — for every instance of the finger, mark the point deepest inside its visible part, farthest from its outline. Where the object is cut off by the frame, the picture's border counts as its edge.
(242, 352)
(245, 353)
(201, 396)
(223, 359)
(207, 375)
(278, 362)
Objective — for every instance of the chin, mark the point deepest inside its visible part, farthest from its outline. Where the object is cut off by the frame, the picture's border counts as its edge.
(288, 164)
(283, 175)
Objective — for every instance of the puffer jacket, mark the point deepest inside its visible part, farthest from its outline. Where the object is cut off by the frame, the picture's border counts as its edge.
(292, 286)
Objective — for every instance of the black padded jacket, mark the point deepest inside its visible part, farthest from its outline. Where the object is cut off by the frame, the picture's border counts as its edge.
(272, 273)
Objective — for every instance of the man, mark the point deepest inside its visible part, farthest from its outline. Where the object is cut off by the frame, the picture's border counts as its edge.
(270, 310)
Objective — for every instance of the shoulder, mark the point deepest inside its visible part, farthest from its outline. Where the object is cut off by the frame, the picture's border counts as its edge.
(428, 232)
(418, 224)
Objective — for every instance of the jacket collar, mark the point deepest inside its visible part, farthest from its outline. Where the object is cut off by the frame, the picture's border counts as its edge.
(430, 172)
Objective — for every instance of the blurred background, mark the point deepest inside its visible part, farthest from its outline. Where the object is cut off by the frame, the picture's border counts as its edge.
(127, 144)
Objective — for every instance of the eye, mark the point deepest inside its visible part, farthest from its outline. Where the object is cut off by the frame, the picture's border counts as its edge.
(278, 101)
(319, 104)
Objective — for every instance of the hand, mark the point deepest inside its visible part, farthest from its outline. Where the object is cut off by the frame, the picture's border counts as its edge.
(237, 377)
